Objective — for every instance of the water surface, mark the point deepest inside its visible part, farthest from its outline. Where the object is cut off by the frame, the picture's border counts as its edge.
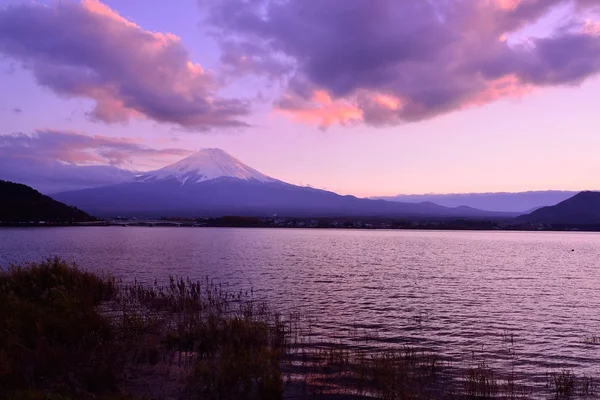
(528, 300)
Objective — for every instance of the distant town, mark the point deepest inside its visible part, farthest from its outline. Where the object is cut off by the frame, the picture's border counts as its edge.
(344, 223)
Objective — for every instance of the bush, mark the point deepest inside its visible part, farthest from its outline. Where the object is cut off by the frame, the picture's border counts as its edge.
(53, 334)
(70, 334)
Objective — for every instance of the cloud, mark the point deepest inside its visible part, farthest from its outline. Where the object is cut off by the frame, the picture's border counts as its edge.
(319, 109)
(591, 27)
(386, 62)
(52, 176)
(17, 110)
(53, 161)
(87, 50)
(79, 149)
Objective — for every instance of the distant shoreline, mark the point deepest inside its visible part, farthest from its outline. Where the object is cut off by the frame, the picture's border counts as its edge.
(324, 223)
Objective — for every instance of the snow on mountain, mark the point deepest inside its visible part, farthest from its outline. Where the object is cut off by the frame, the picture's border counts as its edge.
(205, 165)
(212, 183)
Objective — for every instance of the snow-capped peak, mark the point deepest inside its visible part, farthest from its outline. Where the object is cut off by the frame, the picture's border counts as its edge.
(205, 165)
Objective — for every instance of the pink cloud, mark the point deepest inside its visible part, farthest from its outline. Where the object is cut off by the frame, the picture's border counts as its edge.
(92, 52)
(591, 27)
(325, 111)
(320, 110)
(80, 149)
(506, 4)
(388, 62)
(509, 86)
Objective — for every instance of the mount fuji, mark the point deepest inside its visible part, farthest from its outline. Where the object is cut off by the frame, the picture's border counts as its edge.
(212, 183)
(206, 165)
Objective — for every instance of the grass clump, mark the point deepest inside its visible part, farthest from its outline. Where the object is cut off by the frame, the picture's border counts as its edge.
(229, 345)
(71, 334)
(562, 384)
(53, 334)
(405, 374)
(481, 382)
(340, 369)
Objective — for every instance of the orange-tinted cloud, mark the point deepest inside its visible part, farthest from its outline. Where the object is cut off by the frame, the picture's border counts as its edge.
(387, 101)
(321, 110)
(90, 51)
(591, 27)
(506, 4)
(509, 86)
(386, 62)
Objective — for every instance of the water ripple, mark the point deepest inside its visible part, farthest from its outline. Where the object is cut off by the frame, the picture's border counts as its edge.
(522, 299)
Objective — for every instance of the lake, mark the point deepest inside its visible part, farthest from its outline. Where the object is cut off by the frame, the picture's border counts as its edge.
(528, 301)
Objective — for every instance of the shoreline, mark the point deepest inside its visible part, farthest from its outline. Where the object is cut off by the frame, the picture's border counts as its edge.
(425, 226)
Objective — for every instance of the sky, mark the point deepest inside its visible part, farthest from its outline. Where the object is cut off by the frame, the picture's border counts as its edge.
(363, 97)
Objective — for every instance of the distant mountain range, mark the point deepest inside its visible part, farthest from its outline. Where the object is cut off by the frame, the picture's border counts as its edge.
(581, 209)
(20, 203)
(523, 202)
(213, 183)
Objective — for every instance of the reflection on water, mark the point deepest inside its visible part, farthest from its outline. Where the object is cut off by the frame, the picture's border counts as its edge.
(529, 299)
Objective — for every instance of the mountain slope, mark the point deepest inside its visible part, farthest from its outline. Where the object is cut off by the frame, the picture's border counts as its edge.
(212, 183)
(20, 203)
(229, 196)
(583, 208)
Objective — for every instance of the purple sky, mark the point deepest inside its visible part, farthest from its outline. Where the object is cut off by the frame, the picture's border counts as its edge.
(364, 97)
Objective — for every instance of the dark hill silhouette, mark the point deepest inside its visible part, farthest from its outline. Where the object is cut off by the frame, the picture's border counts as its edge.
(20, 203)
(581, 209)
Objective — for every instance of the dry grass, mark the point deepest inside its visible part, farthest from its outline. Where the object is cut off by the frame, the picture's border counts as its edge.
(228, 344)
(68, 334)
(52, 334)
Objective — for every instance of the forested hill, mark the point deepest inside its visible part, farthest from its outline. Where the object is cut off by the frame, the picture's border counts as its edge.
(581, 209)
(20, 203)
